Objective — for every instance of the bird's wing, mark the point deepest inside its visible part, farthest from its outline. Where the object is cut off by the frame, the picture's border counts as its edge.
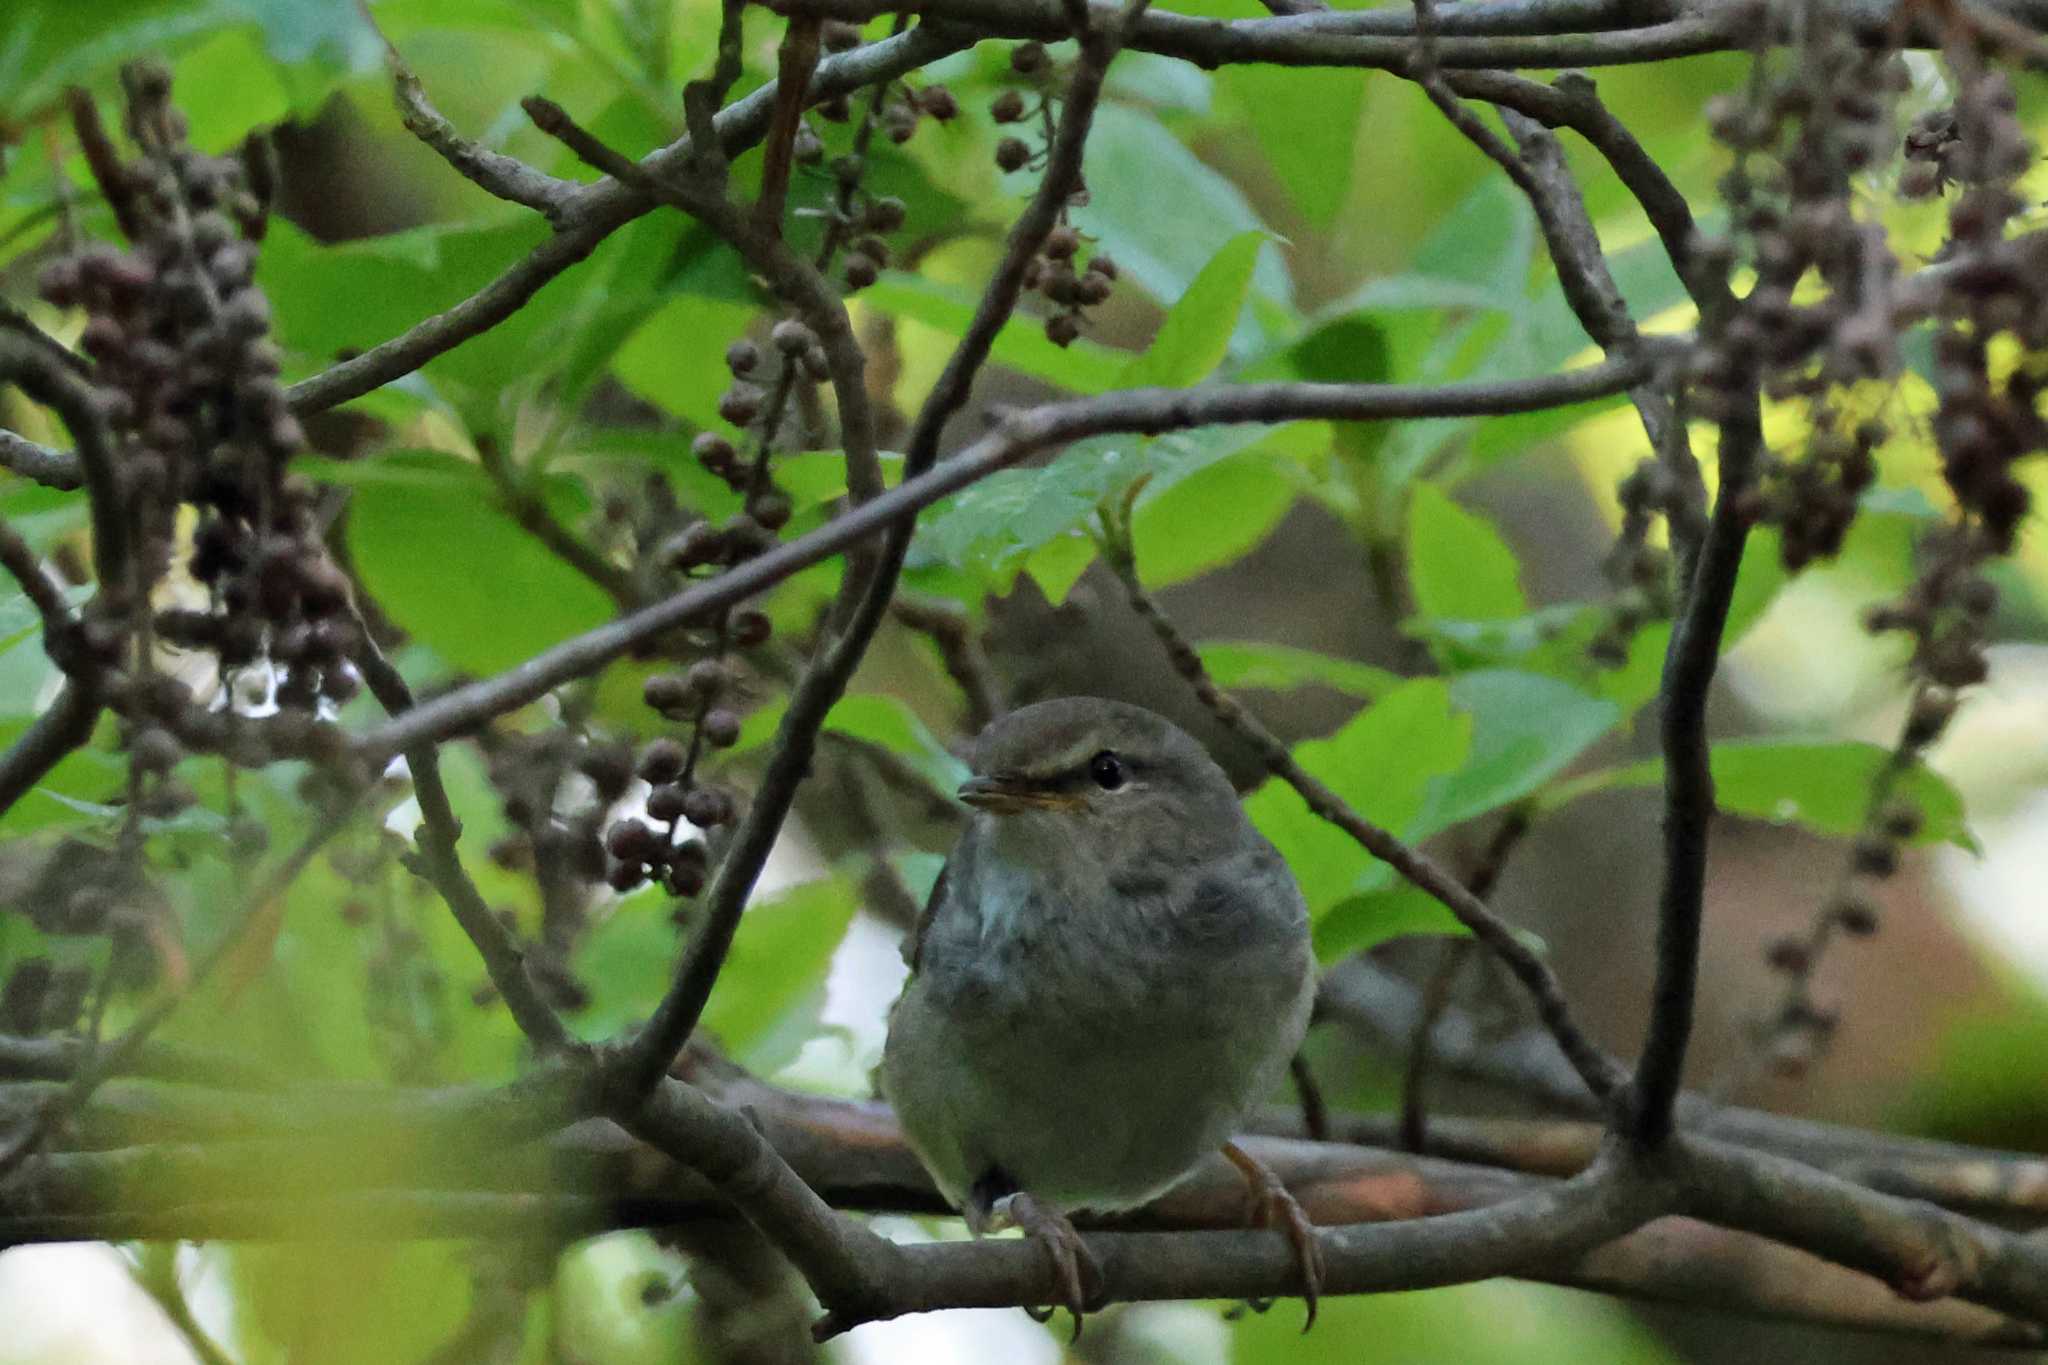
(913, 947)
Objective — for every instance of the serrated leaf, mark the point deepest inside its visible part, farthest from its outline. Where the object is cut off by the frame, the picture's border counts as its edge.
(990, 529)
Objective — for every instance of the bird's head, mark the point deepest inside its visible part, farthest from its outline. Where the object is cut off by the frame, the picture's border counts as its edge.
(1095, 770)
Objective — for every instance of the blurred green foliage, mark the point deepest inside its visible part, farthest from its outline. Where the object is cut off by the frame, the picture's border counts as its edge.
(1270, 224)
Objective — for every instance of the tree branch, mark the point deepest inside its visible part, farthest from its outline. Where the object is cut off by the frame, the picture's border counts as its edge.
(1149, 411)
(65, 726)
(57, 469)
(595, 213)
(496, 174)
(867, 595)
(439, 862)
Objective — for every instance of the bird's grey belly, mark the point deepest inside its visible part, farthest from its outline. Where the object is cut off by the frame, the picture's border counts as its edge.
(1081, 1080)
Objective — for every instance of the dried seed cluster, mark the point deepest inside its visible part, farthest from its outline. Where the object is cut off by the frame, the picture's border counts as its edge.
(186, 374)
(1058, 273)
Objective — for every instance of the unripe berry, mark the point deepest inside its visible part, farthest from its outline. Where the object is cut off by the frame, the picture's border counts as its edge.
(885, 214)
(861, 271)
(661, 761)
(749, 627)
(739, 406)
(792, 337)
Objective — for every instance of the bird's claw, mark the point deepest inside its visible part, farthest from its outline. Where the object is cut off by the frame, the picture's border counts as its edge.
(1073, 1265)
(1273, 1207)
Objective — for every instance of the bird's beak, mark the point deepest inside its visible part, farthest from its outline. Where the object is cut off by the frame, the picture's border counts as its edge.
(1007, 796)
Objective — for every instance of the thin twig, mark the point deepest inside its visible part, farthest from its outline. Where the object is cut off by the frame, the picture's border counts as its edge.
(535, 518)
(57, 469)
(1689, 666)
(38, 583)
(442, 865)
(796, 62)
(495, 173)
(30, 367)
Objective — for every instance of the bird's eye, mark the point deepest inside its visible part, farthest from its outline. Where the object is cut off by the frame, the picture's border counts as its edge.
(1108, 771)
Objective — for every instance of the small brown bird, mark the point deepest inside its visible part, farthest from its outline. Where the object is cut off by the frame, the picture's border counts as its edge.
(1113, 968)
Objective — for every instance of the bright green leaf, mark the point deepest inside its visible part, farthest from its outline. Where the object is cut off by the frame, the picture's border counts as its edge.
(1458, 566)
(1822, 785)
(1358, 922)
(1526, 728)
(1196, 334)
(1279, 668)
(456, 572)
(1381, 763)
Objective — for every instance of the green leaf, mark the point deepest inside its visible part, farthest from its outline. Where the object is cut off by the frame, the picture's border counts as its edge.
(767, 997)
(676, 358)
(763, 1004)
(1086, 367)
(1381, 763)
(1458, 566)
(885, 721)
(1822, 785)
(1358, 922)
(1310, 154)
(1212, 517)
(1526, 728)
(990, 529)
(1058, 564)
(1133, 160)
(1280, 668)
(433, 547)
(1196, 334)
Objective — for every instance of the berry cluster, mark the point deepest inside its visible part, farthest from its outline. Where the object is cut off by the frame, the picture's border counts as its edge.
(186, 375)
(1057, 272)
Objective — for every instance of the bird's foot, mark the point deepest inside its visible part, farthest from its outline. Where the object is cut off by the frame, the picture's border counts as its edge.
(1073, 1266)
(1273, 1207)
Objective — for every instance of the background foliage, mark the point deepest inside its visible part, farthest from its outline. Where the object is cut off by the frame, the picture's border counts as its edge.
(1433, 651)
